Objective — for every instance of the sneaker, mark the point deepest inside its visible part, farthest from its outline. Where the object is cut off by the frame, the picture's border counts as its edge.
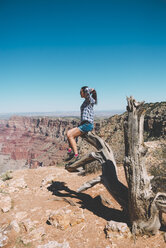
(73, 160)
(69, 156)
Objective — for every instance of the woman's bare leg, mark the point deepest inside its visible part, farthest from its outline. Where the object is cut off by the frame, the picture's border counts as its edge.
(71, 135)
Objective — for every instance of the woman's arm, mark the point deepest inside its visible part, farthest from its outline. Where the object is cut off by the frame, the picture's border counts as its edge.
(88, 95)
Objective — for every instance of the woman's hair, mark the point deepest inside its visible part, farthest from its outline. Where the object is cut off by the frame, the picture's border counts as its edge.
(94, 93)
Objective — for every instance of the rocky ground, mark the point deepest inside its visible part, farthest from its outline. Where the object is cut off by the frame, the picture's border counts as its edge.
(40, 208)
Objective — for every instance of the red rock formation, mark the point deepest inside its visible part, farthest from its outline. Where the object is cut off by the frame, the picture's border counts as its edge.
(41, 141)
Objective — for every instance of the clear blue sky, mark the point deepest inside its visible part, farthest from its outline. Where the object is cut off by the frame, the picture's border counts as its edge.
(50, 48)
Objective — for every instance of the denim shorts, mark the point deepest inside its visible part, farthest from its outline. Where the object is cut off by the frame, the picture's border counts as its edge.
(86, 127)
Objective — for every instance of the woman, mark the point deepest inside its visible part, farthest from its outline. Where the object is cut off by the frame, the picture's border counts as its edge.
(86, 125)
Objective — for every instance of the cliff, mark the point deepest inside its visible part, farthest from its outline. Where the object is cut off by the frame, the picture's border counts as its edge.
(32, 142)
(38, 141)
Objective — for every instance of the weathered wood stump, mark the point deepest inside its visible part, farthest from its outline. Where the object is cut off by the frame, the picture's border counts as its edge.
(138, 200)
(144, 206)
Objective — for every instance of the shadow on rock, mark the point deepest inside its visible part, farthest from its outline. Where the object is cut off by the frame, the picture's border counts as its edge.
(87, 202)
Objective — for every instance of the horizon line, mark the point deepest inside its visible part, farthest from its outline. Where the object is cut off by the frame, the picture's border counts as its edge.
(58, 111)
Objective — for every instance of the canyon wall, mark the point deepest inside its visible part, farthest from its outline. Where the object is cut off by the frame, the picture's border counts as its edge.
(31, 142)
(36, 141)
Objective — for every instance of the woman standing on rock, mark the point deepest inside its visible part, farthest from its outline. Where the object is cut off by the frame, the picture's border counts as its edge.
(86, 125)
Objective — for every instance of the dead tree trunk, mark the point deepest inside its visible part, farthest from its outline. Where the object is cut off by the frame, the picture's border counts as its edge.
(142, 205)
(109, 171)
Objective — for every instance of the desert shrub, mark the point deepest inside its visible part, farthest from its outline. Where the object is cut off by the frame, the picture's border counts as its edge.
(6, 176)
